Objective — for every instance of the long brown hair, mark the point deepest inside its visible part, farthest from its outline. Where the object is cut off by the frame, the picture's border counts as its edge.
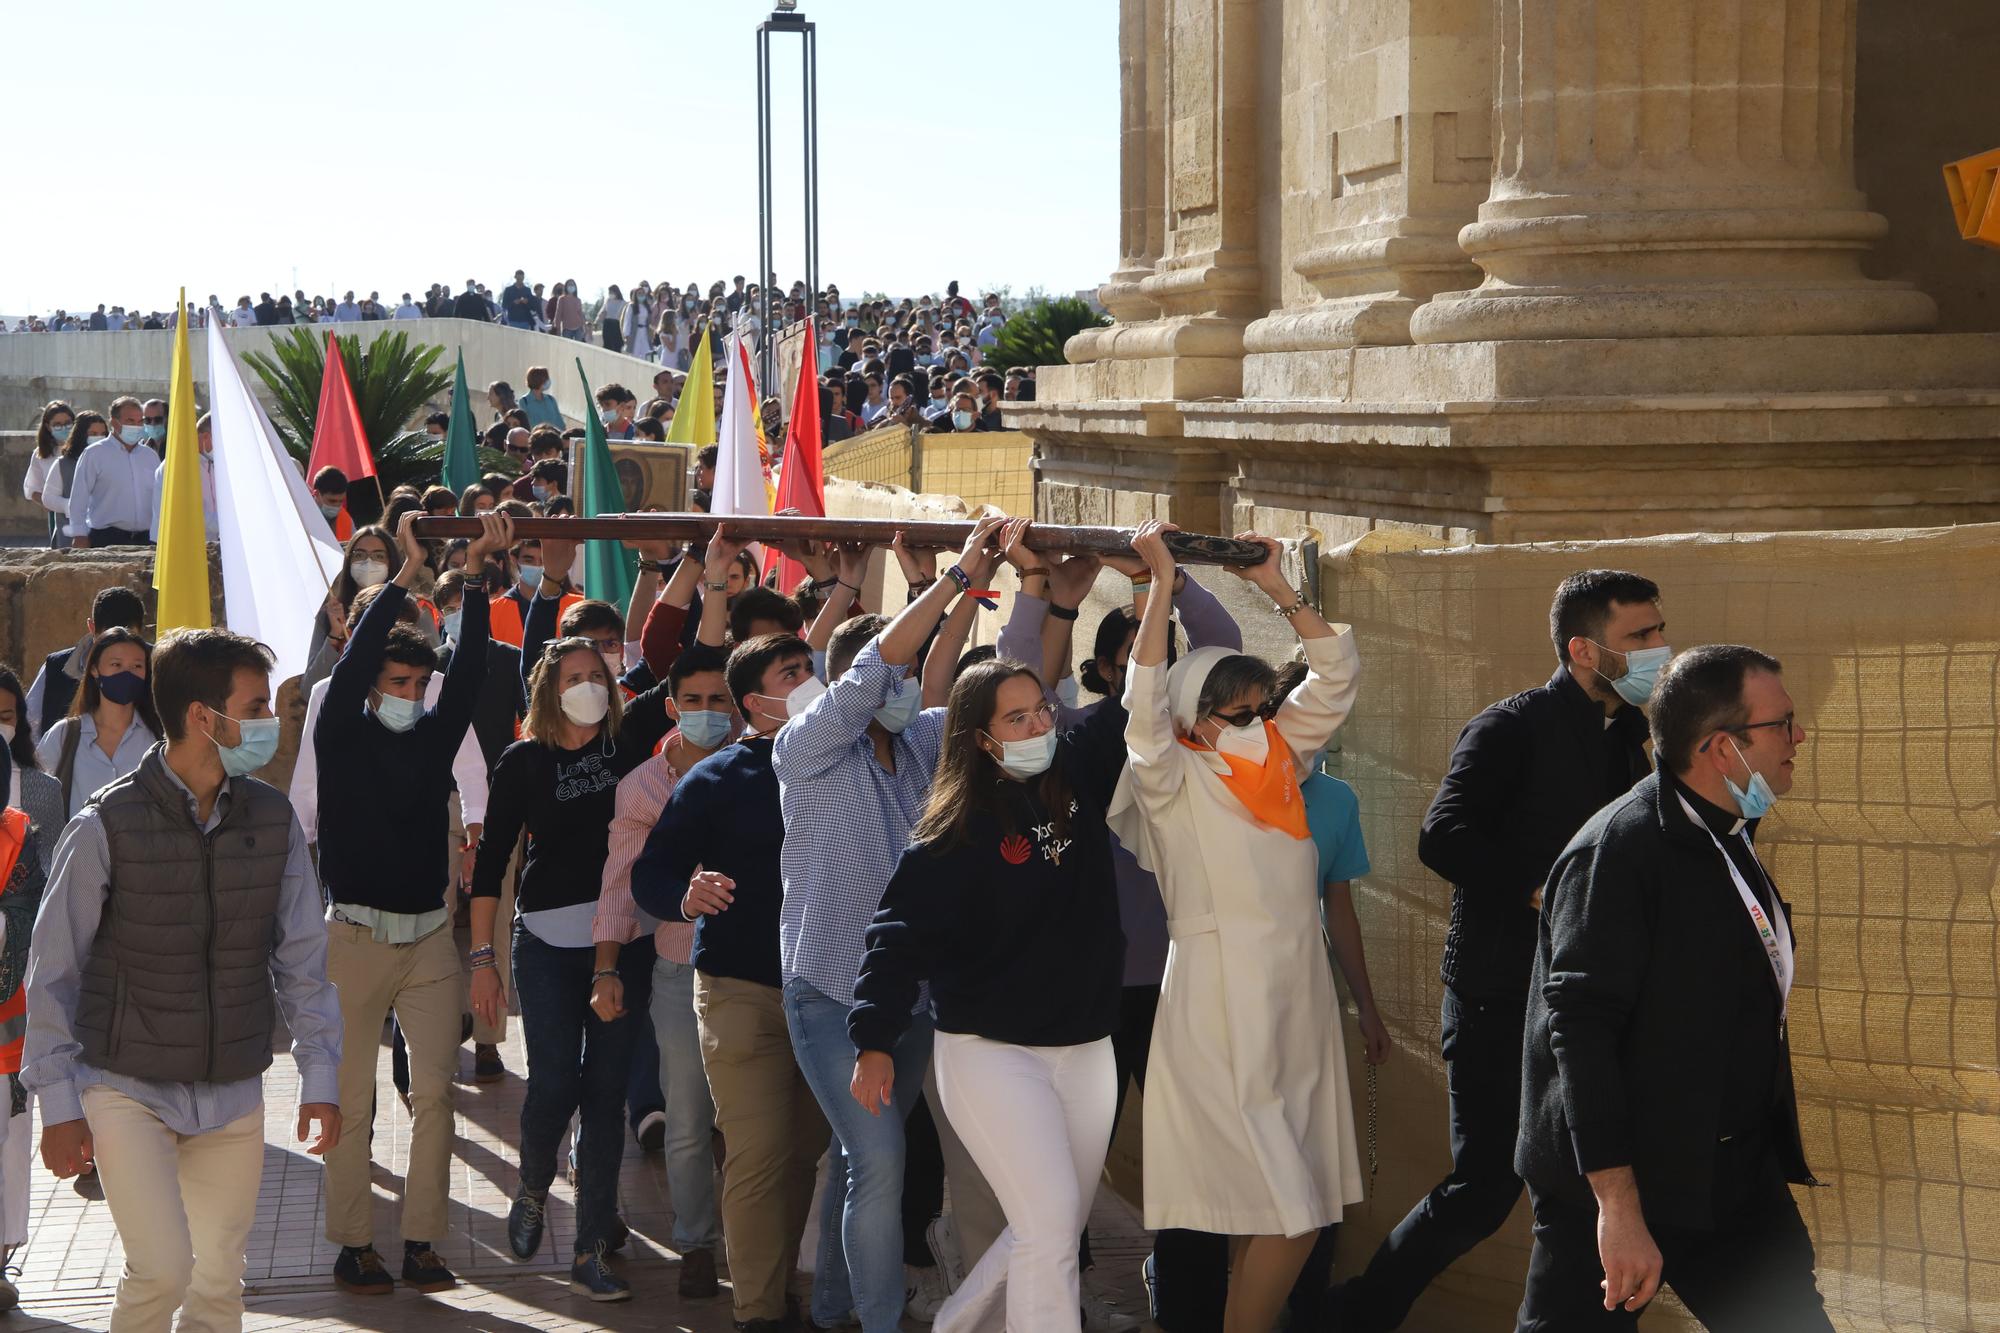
(88, 695)
(968, 779)
(544, 719)
(344, 586)
(45, 440)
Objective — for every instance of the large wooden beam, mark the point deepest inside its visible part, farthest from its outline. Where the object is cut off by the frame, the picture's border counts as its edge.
(1189, 548)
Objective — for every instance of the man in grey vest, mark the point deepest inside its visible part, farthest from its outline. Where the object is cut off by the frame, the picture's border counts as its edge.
(182, 918)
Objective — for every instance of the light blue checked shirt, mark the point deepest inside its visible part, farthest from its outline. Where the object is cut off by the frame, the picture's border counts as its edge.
(847, 820)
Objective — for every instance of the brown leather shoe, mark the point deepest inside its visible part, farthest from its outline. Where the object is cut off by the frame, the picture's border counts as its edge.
(698, 1275)
(486, 1065)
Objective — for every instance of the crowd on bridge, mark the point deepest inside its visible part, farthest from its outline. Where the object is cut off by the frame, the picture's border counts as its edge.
(818, 889)
(659, 324)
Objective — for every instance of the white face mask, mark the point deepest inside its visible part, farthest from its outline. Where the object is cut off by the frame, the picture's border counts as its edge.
(1028, 758)
(801, 697)
(586, 702)
(1252, 744)
(368, 573)
(614, 663)
(7, 730)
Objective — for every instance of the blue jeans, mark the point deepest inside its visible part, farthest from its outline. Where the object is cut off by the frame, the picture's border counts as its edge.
(860, 1265)
(642, 1081)
(690, 1113)
(576, 1067)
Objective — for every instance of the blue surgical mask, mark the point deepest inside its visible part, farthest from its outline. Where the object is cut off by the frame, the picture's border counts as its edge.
(59, 433)
(1642, 673)
(541, 492)
(452, 620)
(705, 728)
(155, 432)
(531, 575)
(1758, 800)
(257, 742)
(905, 702)
(962, 420)
(398, 714)
(132, 435)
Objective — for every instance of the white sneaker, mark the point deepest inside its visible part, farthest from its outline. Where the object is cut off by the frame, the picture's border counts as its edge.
(1101, 1311)
(924, 1293)
(942, 1237)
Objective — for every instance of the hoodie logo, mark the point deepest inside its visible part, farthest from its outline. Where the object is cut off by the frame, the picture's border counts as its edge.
(1015, 850)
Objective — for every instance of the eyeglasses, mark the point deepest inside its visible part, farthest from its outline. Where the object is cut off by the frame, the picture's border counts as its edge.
(1787, 722)
(1045, 712)
(154, 421)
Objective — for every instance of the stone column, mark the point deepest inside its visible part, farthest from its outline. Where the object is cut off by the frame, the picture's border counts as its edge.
(1206, 285)
(1387, 153)
(1673, 168)
(1141, 171)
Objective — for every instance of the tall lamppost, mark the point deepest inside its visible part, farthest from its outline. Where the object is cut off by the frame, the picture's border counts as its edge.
(785, 19)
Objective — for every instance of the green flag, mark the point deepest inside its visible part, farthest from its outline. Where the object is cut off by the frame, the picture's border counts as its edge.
(609, 568)
(461, 440)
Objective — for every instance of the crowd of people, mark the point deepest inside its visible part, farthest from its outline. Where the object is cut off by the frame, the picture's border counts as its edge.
(772, 877)
(99, 475)
(659, 324)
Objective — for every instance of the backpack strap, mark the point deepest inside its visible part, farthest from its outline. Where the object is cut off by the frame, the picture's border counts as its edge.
(66, 764)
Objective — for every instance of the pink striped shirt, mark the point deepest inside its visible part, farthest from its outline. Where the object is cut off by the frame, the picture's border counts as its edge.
(642, 794)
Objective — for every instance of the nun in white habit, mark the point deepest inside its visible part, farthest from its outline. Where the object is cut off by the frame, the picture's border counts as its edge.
(1249, 1124)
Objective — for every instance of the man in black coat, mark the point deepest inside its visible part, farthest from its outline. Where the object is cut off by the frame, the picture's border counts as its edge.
(1659, 1126)
(1526, 774)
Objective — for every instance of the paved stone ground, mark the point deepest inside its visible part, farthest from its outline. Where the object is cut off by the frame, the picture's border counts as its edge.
(73, 1258)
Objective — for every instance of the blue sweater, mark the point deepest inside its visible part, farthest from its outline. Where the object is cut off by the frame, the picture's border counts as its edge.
(723, 816)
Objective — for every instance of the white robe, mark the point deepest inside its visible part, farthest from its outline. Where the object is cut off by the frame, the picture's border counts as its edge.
(1249, 1121)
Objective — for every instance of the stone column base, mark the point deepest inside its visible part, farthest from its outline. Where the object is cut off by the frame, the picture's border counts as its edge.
(1535, 441)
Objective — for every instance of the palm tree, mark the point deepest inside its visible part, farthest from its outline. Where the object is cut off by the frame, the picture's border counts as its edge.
(392, 380)
(1035, 337)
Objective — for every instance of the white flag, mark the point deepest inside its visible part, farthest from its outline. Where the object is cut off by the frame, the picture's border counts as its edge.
(739, 472)
(278, 553)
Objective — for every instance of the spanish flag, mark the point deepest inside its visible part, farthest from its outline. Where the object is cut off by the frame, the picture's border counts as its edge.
(180, 566)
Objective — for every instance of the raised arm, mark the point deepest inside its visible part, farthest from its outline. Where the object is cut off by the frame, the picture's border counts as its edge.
(941, 658)
(1317, 707)
(850, 566)
(460, 696)
(1151, 752)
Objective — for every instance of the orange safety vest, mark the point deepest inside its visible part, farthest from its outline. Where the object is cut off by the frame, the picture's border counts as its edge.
(14, 1011)
(503, 617)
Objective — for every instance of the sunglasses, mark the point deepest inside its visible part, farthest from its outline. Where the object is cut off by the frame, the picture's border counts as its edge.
(1243, 717)
(154, 421)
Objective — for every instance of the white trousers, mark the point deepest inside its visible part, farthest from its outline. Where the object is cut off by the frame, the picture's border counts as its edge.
(183, 1205)
(17, 1156)
(1037, 1121)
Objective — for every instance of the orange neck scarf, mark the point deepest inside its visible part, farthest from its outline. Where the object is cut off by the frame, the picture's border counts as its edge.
(1270, 790)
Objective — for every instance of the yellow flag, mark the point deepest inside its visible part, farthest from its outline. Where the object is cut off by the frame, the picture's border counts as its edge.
(694, 418)
(180, 565)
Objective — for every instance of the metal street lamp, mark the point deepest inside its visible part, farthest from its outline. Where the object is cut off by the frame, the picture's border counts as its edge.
(785, 19)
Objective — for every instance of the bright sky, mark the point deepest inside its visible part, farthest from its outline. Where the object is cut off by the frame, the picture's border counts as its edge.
(238, 146)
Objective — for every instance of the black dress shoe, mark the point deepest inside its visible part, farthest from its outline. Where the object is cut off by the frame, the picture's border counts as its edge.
(525, 1222)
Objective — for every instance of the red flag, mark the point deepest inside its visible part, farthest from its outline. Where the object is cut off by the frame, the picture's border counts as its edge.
(338, 439)
(802, 483)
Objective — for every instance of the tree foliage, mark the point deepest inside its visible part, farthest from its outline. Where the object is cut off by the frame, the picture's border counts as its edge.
(392, 380)
(1035, 337)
